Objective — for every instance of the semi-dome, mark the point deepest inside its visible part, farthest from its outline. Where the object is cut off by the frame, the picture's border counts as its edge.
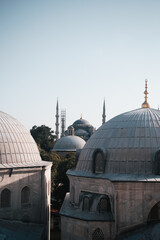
(81, 132)
(17, 147)
(128, 143)
(69, 144)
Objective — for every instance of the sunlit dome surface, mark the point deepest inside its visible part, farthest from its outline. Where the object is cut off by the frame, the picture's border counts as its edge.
(17, 147)
(129, 142)
(69, 143)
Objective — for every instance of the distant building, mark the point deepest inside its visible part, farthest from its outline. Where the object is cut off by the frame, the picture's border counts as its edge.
(82, 128)
(69, 144)
(115, 185)
(24, 184)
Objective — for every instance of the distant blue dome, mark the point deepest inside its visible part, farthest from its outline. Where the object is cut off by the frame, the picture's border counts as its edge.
(81, 122)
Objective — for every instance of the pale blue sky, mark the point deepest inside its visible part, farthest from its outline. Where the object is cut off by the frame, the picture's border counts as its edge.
(80, 51)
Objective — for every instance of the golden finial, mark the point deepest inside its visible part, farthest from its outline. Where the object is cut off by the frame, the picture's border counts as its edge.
(145, 104)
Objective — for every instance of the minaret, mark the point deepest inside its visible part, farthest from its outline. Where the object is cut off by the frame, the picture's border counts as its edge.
(57, 121)
(63, 122)
(145, 104)
(104, 113)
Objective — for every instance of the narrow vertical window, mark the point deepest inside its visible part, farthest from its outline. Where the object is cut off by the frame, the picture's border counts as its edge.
(25, 195)
(157, 162)
(85, 204)
(5, 198)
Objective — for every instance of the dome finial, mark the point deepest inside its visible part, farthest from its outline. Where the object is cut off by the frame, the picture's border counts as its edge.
(145, 104)
(81, 116)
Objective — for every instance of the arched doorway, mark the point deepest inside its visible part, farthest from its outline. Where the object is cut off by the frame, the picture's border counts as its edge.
(154, 214)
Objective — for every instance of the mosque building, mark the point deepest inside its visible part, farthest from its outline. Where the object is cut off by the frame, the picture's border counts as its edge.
(24, 184)
(81, 127)
(74, 138)
(114, 187)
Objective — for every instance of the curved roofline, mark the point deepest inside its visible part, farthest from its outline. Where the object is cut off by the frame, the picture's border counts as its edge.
(116, 177)
(26, 165)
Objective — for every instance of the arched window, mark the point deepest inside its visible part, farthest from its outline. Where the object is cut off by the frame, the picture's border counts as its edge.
(98, 234)
(157, 162)
(154, 214)
(104, 204)
(85, 204)
(25, 195)
(5, 198)
(98, 162)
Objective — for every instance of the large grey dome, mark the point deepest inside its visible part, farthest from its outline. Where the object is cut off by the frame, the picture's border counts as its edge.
(69, 144)
(128, 142)
(17, 147)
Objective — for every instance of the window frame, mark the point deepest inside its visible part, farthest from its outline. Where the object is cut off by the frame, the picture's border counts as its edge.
(96, 232)
(3, 203)
(26, 203)
(95, 153)
(108, 204)
(84, 205)
(157, 162)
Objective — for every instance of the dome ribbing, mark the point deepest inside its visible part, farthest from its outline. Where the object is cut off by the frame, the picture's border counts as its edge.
(17, 147)
(129, 142)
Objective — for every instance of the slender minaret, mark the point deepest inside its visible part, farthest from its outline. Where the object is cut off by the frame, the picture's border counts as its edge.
(104, 113)
(63, 122)
(145, 104)
(57, 121)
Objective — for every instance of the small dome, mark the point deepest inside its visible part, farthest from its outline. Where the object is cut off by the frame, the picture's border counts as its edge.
(69, 144)
(17, 147)
(128, 142)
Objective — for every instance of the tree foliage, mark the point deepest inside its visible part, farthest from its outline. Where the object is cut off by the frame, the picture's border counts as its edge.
(45, 140)
(61, 180)
(44, 137)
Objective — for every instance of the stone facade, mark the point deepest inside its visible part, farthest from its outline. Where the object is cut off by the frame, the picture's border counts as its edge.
(115, 185)
(24, 182)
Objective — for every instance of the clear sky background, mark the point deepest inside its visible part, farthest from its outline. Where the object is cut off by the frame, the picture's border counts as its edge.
(78, 51)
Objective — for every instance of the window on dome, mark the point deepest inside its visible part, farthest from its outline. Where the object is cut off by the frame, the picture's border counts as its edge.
(5, 198)
(104, 204)
(25, 195)
(98, 162)
(97, 234)
(157, 162)
(85, 204)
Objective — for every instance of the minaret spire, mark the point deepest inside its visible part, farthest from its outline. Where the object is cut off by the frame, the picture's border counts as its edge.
(145, 104)
(57, 121)
(104, 113)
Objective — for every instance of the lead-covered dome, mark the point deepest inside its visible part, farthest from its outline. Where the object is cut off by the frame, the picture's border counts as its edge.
(128, 143)
(80, 122)
(17, 147)
(69, 144)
